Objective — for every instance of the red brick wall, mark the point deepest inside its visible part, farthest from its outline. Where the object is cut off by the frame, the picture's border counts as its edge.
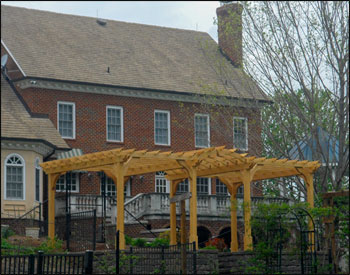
(138, 126)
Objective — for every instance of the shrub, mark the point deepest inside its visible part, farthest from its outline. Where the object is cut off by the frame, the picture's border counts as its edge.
(159, 242)
(7, 233)
(218, 243)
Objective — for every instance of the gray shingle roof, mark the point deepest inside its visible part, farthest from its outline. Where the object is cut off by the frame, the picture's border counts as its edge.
(16, 122)
(76, 48)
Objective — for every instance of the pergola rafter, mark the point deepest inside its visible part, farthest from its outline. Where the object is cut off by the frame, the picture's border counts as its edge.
(232, 168)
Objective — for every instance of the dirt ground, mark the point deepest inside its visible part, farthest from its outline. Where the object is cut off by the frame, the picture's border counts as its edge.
(32, 242)
(25, 241)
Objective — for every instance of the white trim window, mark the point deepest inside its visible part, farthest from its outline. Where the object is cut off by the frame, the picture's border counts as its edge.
(73, 182)
(203, 186)
(202, 130)
(162, 184)
(37, 179)
(221, 188)
(240, 133)
(14, 177)
(161, 127)
(240, 190)
(66, 119)
(183, 187)
(114, 124)
(110, 188)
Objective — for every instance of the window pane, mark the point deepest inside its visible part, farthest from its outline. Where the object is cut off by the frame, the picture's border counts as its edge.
(161, 128)
(37, 184)
(14, 182)
(114, 124)
(65, 120)
(201, 131)
(161, 183)
(221, 188)
(183, 187)
(203, 186)
(240, 133)
(71, 178)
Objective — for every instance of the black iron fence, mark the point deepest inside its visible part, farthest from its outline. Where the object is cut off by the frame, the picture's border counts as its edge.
(78, 230)
(77, 263)
(172, 259)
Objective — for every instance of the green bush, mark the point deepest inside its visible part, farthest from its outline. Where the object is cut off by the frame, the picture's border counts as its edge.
(159, 242)
(7, 233)
(139, 242)
(210, 247)
(50, 246)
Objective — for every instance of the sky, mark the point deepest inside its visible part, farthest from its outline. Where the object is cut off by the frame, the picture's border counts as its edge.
(190, 15)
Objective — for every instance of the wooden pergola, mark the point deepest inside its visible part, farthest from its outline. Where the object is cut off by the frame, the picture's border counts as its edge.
(232, 168)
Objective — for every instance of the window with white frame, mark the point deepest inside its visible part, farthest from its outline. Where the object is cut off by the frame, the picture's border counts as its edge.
(37, 179)
(183, 187)
(240, 190)
(203, 186)
(71, 180)
(162, 184)
(162, 127)
(14, 177)
(202, 130)
(110, 188)
(240, 133)
(221, 188)
(66, 119)
(114, 120)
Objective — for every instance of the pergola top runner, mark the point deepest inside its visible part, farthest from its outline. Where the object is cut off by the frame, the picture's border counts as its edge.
(213, 161)
(232, 168)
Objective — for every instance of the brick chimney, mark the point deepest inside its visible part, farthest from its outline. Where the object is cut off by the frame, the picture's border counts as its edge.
(230, 31)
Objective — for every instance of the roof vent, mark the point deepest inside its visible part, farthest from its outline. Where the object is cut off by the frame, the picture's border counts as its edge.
(101, 22)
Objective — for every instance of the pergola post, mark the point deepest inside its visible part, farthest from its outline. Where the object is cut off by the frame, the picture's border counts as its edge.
(234, 241)
(233, 210)
(117, 175)
(52, 179)
(120, 203)
(193, 206)
(246, 180)
(309, 182)
(173, 240)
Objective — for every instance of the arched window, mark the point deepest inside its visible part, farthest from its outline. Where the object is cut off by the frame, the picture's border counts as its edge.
(14, 177)
(162, 184)
(37, 179)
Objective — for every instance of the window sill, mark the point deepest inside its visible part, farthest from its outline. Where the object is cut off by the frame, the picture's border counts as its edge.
(69, 138)
(14, 199)
(114, 142)
(63, 191)
(163, 145)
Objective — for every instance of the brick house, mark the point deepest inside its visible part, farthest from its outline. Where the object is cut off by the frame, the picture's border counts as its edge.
(109, 84)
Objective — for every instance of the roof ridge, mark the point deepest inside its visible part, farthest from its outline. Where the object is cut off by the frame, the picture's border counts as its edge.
(110, 20)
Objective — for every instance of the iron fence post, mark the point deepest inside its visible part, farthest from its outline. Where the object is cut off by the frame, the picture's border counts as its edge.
(40, 230)
(88, 262)
(117, 254)
(39, 268)
(31, 264)
(194, 258)
(162, 264)
(131, 262)
(68, 230)
(330, 262)
(94, 231)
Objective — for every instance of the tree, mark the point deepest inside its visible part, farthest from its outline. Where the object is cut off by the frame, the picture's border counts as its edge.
(298, 54)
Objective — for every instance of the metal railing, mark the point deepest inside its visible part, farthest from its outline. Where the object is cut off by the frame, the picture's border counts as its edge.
(40, 263)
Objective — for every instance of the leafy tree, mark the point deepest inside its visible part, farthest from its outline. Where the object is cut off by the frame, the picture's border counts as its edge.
(298, 54)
